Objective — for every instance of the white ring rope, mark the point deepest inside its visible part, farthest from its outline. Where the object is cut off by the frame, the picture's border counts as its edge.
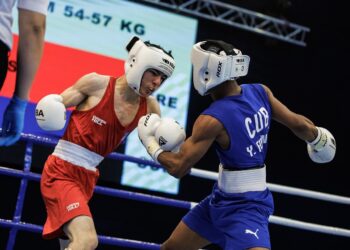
(281, 189)
(309, 226)
(293, 191)
(304, 225)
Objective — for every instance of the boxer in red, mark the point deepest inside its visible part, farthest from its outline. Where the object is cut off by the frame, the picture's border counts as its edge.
(107, 110)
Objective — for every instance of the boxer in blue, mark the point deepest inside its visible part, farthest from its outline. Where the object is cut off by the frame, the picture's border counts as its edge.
(236, 214)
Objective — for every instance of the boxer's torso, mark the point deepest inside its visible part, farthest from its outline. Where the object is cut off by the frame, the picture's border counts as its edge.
(101, 122)
(246, 119)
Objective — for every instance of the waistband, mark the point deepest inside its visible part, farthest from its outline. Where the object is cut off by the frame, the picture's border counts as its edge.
(77, 155)
(241, 181)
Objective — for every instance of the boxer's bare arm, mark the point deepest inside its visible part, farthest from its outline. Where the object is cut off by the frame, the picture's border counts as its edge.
(301, 126)
(321, 144)
(88, 85)
(195, 146)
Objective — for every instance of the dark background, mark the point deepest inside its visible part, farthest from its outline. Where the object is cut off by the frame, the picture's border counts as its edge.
(310, 80)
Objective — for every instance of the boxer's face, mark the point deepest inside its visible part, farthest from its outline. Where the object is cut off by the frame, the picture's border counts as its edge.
(152, 79)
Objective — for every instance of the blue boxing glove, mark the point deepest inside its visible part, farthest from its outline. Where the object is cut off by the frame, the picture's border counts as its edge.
(13, 121)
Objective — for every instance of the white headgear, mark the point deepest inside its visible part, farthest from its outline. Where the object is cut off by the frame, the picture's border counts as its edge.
(215, 62)
(143, 56)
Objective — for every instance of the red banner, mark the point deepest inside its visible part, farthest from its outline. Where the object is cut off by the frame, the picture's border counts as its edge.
(60, 68)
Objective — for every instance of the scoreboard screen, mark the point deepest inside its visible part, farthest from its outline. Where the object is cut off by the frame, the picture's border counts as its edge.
(90, 36)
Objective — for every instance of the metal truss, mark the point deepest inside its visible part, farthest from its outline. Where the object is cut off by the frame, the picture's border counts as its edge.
(240, 18)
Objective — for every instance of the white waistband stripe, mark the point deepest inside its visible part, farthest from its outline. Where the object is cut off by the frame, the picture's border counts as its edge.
(242, 180)
(77, 155)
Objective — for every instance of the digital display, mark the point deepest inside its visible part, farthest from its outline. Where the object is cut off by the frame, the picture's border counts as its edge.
(90, 36)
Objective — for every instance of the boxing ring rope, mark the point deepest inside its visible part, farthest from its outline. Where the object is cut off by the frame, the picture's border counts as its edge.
(16, 224)
(282, 189)
(205, 174)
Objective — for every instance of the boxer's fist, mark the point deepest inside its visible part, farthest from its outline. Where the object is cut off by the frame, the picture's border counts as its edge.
(170, 135)
(146, 129)
(50, 113)
(147, 125)
(323, 148)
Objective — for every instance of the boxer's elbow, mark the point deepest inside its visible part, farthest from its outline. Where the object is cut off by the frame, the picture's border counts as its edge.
(178, 168)
(177, 173)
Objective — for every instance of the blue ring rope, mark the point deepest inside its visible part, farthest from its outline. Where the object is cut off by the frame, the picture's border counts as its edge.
(101, 238)
(16, 224)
